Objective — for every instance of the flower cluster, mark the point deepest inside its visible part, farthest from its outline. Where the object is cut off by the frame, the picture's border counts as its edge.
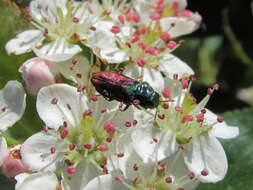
(125, 117)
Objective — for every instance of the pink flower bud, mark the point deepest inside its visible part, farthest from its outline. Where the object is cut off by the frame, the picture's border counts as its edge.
(37, 73)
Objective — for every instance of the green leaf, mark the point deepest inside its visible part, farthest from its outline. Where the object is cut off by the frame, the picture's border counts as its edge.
(6, 184)
(239, 152)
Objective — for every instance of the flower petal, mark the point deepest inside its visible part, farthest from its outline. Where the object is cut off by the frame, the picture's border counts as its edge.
(12, 104)
(38, 181)
(221, 130)
(36, 155)
(3, 149)
(171, 65)
(105, 182)
(182, 26)
(151, 76)
(69, 107)
(24, 42)
(57, 51)
(206, 153)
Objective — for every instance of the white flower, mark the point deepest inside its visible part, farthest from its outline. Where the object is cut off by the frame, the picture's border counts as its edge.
(39, 181)
(3, 150)
(131, 173)
(183, 124)
(12, 104)
(82, 131)
(61, 23)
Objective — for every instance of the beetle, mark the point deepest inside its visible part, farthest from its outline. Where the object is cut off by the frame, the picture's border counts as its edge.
(114, 86)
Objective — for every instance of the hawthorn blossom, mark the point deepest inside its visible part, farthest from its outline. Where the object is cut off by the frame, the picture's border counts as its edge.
(184, 124)
(78, 135)
(60, 25)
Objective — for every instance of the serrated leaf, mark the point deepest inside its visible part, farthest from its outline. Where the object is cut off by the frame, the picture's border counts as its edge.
(239, 152)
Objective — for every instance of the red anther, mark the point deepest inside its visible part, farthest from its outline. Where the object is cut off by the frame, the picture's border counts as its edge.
(166, 93)
(45, 128)
(3, 109)
(181, 148)
(52, 150)
(121, 19)
(120, 155)
(71, 170)
(68, 106)
(46, 31)
(203, 111)
(128, 124)
(128, 45)
(175, 76)
(103, 110)
(142, 31)
(159, 7)
(135, 167)
(187, 118)
(141, 62)
(161, 116)
(142, 45)
(105, 170)
(193, 79)
(209, 91)
(118, 179)
(136, 102)
(64, 133)
(168, 180)
(175, 5)
(151, 50)
(29, 19)
(93, 28)
(121, 105)
(115, 29)
(65, 124)
(204, 172)
(135, 38)
(160, 1)
(54, 101)
(179, 109)
(191, 175)
(171, 44)
(79, 75)
(109, 139)
(220, 119)
(102, 148)
(200, 117)
(135, 17)
(72, 146)
(155, 140)
(173, 24)
(135, 122)
(87, 146)
(154, 16)
(109, 127)
(39, 7)
(75, 20)
(186, 13)
(184, 83)
(28, 10)
(87, 113)
(94, 98)
(165, 36)
(165, 106)
(181, 42)
(216, 87)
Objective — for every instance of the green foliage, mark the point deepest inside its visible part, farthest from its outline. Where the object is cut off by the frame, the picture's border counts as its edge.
(239, 152)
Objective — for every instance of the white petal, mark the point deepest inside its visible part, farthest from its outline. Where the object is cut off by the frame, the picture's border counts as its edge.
(221, 130)
(3, 149)
(54, 115)
(36, 155)
(38, 181)
(57, 51)
(171, 65)
(153, 77)
(105, 182)
(24, 42)
(82, 67)
(12, 99)
(85, 172)
(207, 153)
(182, 26)
(103, 43)
(148, 149)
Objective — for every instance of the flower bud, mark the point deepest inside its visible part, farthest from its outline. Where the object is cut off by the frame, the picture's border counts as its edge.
(37, 73)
